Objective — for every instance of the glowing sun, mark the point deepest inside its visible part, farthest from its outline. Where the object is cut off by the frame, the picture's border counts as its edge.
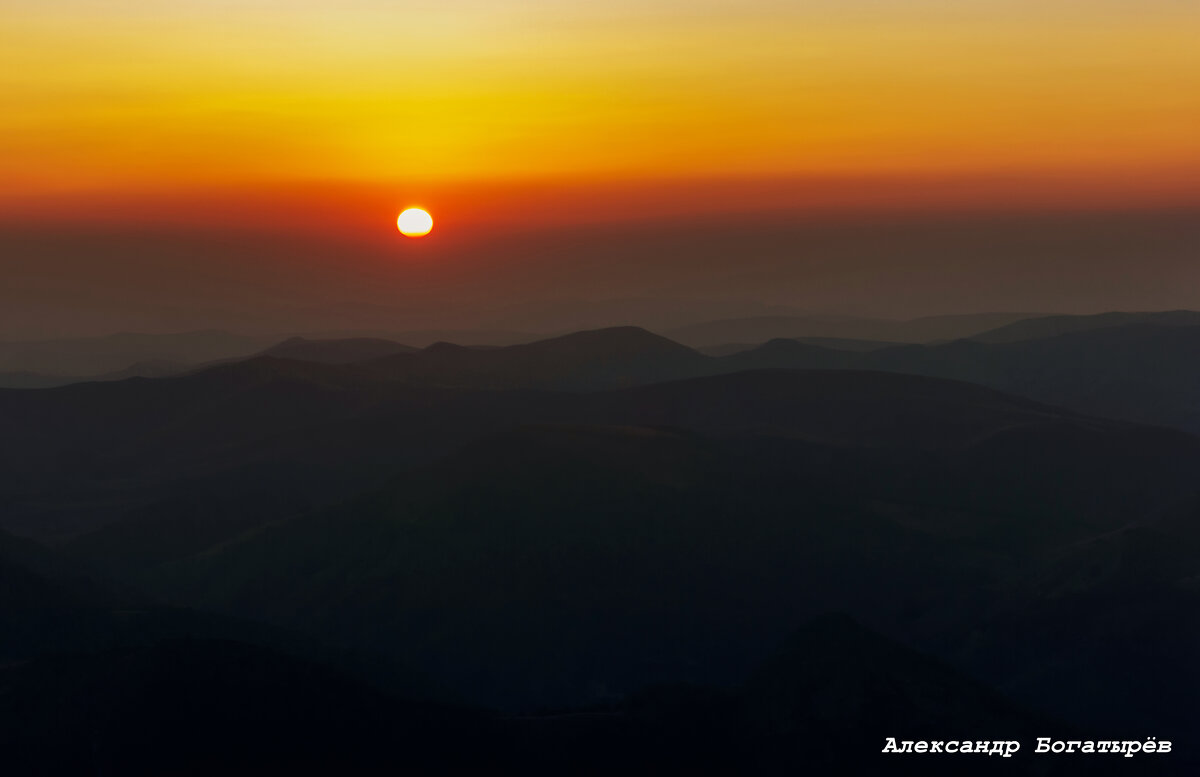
(414, 222)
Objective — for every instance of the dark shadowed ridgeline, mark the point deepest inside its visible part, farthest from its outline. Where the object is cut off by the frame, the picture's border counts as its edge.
(604, 553)
(918, 330)
(1142, 372)
(155, 702)
(99, 355)
(1036, 328)
(339, 351)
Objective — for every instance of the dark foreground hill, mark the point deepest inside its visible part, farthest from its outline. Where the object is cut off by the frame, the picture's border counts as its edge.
(560, 566)
(199, 707)
(827, 700)
(135, 693)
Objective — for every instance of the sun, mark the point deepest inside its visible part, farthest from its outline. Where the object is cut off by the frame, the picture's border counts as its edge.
(414, 222)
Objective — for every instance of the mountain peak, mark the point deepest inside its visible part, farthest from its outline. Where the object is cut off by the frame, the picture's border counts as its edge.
(339, 351)
(443, 347)
(626, 338)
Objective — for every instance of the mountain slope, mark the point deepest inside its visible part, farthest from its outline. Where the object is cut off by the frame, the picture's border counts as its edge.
(1052, 326)
(212, 706)
(591, 360)
(919, 330)
(1139, 372)
(842, 407)
(100, 355)
(560, 565)
(338, 351)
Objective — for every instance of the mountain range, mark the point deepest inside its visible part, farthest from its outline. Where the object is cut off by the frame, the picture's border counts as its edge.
(608, 543)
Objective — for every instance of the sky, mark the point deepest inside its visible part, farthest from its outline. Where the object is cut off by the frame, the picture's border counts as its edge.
(515, 116)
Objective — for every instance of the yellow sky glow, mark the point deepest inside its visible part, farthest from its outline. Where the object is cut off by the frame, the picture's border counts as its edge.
(130, 96)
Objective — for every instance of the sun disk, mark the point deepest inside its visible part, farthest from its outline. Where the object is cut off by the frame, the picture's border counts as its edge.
(414, 222)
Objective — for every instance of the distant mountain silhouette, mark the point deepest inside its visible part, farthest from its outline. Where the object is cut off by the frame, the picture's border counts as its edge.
(919, 330)
(846, 344)
(340, 351)
(422, 338)
(52, 360)
(836, 343)
(789, 353)
(155, 368)
(605, 358)
(24, 380)
(1139, 372)
(615, 526)
(1052, 326)
(112, 353)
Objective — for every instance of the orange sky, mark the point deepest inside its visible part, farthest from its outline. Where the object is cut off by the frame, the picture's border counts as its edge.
(515, 109)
